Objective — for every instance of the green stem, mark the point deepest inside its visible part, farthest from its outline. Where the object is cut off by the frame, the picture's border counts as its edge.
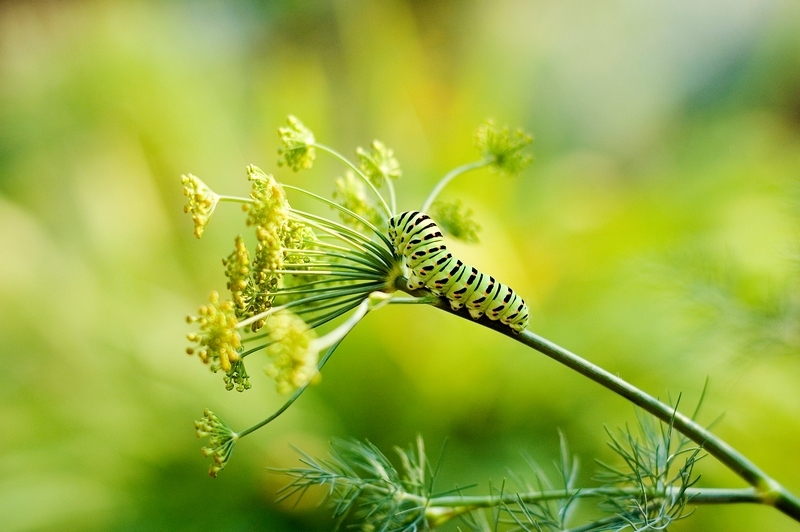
(350, 255)
(412, 300)
(348, 235)
(291, 400)
(729, 456)
(254, 350)
(330, 341)
(322, 320)
(339, 302)
(449, 176)
(360, 174)
(234, 199)
(348, 212)
(392, 199)
(770, 491)
(322, 289)
(696, 495)
(291, 304)
(334, 337)
(442, 509)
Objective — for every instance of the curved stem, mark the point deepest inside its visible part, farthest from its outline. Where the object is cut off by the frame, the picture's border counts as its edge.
(770, 491)
(292, 399)
(360, 174)
(344, 210)
(449, 176)
(337, 335)
(348, 235)
(392, 198)
(330, 341)
(346, 291)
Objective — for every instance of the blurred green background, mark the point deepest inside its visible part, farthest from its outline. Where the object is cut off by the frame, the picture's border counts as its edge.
(654, 234)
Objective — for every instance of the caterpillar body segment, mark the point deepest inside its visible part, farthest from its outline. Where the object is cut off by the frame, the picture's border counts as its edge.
(419, 241)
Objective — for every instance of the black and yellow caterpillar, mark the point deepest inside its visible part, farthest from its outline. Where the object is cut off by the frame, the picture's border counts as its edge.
(419, 241)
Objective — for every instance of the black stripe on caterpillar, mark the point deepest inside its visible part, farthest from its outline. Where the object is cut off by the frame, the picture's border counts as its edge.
(419, 241)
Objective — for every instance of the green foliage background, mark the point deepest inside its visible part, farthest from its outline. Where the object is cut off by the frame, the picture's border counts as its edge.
(667, 152)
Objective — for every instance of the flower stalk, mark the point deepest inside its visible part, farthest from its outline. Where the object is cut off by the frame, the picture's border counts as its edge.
(383, 204)
(501, 150)
(439, 510)
(766, 490)
(448, 177)
(329, 343)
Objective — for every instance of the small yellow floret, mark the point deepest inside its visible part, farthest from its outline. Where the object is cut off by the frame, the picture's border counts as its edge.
(201, 202)
(293, 356)
(218, 340)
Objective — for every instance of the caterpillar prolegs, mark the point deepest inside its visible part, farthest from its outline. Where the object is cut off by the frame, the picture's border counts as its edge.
(417, 238)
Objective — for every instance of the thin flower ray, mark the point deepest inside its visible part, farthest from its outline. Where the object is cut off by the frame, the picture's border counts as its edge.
(340, 230)
(339, 274)
(363, 292)
(297, 393)
(354, 257)
(256, 349)
(334, 269)
(305, 301)
(316, 322)
(315, 266)
(317, 282)
(345, 210)
(332, 235)
(358, 298)
(342, 252)
(322, 289)
(355, 239)
(307, 217)
(335, 265)
(332, 246)
(361, 174)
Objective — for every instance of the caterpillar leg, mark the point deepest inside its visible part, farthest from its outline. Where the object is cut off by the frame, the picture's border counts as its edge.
(414, 282)
(475, 314)
(517, 328)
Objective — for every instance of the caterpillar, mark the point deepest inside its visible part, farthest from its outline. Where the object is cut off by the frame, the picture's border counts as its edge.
(419, 241)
